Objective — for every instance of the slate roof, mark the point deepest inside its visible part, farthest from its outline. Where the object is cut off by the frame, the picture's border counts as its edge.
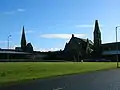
(85, 40)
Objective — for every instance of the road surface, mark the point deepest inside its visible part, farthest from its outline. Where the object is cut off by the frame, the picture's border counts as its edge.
(99, 80)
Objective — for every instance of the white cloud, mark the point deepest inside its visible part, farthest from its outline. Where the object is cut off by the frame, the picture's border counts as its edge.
(49, 49)
(20, 10)
(9, 12)
(26, 32)
(29, 31)
(46, 49)
(4, 42)
(13, 12)
(13, 47)
(86, 26)
(61, 36)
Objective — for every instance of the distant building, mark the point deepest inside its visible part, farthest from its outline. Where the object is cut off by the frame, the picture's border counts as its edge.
(78, 48)
(13, 55)
(25, 47)
(109, 50)
(18, 49)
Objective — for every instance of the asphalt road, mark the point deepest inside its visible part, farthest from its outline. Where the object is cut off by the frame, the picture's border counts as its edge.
(99, 80)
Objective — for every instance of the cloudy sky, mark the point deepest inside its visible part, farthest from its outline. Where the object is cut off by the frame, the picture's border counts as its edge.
(50, 23)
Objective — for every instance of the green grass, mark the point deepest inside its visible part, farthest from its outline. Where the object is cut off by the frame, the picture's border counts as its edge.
(19, 71)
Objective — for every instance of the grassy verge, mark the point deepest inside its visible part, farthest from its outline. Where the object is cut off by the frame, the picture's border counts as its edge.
(20, 71)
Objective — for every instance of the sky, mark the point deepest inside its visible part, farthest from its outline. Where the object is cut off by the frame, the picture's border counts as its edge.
(49, 24)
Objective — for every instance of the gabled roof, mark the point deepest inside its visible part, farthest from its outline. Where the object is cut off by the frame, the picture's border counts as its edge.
(81, 39)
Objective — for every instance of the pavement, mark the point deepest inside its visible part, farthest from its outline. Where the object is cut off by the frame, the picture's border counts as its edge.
(98, 80)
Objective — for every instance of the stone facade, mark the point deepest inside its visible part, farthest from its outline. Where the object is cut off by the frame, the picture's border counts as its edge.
(78, 48)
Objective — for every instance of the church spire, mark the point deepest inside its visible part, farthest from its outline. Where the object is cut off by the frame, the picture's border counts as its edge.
(23, 40)
(97, 38)
(97, 34)
(96, 29)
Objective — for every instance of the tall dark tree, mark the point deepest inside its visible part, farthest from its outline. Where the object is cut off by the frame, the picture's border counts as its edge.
(29, 47)
(23, 40)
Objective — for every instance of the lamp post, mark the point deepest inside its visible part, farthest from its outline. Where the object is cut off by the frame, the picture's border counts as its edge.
(117, 47)
(8, 40)
(8, 45)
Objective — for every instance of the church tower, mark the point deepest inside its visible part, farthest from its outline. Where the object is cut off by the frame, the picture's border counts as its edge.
(97, 37)
(23, 40)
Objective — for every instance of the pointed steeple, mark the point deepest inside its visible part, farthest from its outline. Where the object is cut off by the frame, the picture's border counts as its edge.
(97, 38)
(23, 40)
(96, 29)
(72, 35)
(97, 34)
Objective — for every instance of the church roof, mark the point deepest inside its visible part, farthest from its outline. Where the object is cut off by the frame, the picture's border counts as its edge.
(81, 39)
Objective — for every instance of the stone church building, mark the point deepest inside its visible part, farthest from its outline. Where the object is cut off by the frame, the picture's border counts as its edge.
(77, 48)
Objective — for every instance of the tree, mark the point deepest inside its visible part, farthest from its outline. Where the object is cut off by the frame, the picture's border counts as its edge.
(29, 47)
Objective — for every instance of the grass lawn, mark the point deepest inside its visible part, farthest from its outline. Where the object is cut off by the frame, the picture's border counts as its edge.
(18, 71)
